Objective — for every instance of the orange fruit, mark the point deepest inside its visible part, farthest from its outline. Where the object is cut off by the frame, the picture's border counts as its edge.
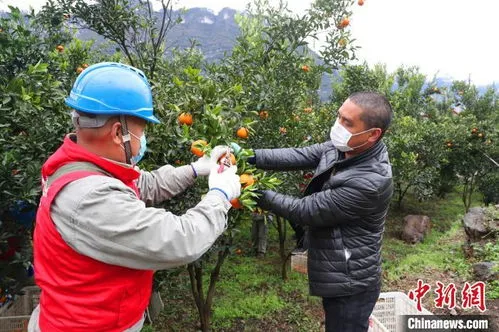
(344, 22)
(60, 48)
(79, 70)
(242, 133)
(185, 118)
(360, 2)
(238, 251)
(236, 204)
(196, 147)
(307, 110)
(263, 115)
(283, 130)
(246, 180)
(305, 68)
(232, 158)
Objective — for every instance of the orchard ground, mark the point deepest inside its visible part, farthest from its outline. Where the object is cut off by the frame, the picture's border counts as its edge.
(252, 296)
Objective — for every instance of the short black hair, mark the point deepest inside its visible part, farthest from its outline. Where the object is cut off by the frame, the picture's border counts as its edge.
(376, 109)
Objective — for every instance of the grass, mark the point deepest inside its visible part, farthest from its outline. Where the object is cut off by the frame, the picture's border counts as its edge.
(251, 296)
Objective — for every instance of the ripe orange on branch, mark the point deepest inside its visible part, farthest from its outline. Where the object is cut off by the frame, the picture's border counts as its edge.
(236, 203)
(60, 48)
(246, 180)
(344, 23)
(263, 115)
(242, 133)
(196, 147)
(360, 2)
(185, 118)
(305, 68)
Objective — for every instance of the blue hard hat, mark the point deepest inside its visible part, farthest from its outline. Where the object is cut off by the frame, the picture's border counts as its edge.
(112, 88)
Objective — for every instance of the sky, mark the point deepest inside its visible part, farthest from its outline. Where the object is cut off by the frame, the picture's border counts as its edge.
(455, 39)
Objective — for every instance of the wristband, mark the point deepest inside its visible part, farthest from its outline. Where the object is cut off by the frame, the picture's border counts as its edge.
(194, 170)
(223, 192)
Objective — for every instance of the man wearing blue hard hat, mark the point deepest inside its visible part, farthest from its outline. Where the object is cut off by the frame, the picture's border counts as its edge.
(96, 244)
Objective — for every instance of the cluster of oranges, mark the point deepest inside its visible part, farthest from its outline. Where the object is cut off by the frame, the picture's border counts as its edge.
(187, 119)
(80, 69)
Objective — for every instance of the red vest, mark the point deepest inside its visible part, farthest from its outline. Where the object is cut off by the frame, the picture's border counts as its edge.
(80, 293)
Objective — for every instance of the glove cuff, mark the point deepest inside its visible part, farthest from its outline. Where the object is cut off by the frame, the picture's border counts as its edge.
(194, 171)
(223, 192)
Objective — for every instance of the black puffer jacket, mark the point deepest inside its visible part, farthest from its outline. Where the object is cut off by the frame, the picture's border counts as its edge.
(344, 207)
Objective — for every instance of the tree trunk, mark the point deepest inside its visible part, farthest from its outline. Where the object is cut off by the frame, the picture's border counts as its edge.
(281, 230)
(204, 305)
(468, 189)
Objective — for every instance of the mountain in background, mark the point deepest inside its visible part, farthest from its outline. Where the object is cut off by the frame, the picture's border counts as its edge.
(216, 35)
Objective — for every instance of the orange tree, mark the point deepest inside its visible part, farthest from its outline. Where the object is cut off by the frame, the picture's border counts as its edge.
(37, 65)
(199, 112)
(472, 146)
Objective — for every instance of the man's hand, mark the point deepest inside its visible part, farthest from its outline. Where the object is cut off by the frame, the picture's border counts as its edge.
(262, 201)
(203, 165)
(226, 182)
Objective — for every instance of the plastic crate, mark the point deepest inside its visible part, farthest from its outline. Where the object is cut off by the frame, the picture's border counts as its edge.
(391, 306)
(299, 262)
(375, 325)
(15, 317)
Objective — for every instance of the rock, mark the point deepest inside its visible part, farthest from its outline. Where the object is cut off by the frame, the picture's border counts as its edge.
(475, 223)
(484, 271)
(416, 227)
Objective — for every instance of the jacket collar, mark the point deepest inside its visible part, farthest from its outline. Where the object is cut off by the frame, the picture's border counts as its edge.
(70, 151)
(372, 152)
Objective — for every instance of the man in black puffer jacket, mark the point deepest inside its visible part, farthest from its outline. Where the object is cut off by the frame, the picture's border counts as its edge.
(344, 208)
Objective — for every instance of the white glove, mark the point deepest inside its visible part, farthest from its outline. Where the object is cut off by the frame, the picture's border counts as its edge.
(203, 165)
(226, 182)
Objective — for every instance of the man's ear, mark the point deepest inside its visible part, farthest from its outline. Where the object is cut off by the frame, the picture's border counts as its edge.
(116, 133)
(375, 135)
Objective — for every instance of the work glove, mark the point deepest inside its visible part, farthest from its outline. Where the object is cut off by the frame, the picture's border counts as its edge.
(236, 148)
(226, 182)
(203, 165)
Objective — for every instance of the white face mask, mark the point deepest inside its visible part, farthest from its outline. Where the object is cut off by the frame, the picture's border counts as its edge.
(340, 137)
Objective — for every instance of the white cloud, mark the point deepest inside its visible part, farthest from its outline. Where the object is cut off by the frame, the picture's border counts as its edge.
(444, 37)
